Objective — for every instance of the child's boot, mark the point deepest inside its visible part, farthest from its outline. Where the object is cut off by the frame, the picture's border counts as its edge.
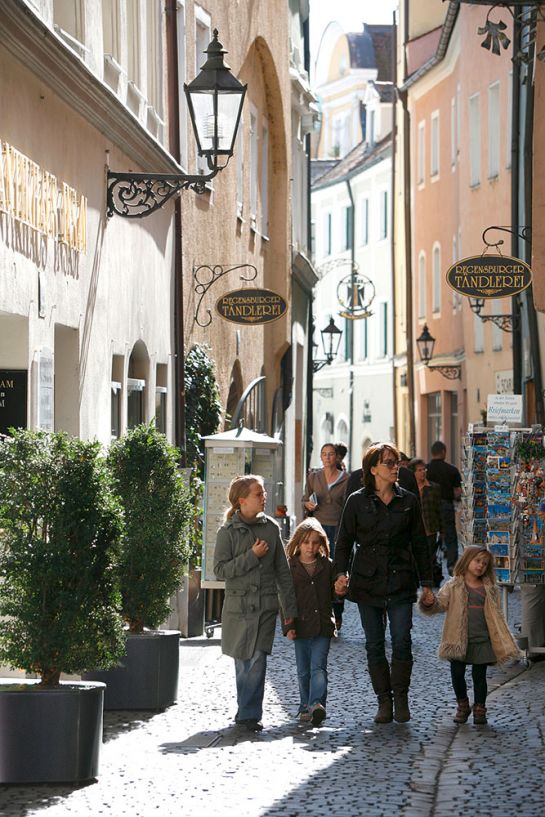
(380, 678)
(479, 714)
(463, 710)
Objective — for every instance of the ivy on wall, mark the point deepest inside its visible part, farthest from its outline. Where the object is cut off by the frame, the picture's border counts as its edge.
(202, 403)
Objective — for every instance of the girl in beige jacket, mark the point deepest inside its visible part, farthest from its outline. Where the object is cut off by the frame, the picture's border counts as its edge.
(475, 631)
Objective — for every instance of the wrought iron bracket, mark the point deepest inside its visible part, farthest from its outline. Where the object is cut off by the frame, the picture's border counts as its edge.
(136, 195)
(507, 323)
(326, 393)
(319, 364)
(523, 232)
(450, 372)
(213, 273)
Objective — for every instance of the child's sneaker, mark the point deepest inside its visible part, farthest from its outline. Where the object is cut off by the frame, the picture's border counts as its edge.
(317, 714)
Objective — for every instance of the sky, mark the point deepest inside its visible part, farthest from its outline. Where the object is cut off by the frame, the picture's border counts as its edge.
(350, 14)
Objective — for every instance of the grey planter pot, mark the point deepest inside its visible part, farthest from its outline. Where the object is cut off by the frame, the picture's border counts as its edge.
(147, 675)
(49, 735)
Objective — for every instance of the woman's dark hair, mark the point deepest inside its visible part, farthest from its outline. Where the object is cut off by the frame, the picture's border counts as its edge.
(373, 456)
(341, 450)
(414, 463)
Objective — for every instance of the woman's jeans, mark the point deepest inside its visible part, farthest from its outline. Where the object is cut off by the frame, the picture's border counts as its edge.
(458, 675)
(311, 658)
(250, 676)
(373, 620)
(331, 532)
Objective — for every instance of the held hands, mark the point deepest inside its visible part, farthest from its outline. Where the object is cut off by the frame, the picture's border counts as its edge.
(260, 548)
(341, 585)
(427, 597)
(291, 634)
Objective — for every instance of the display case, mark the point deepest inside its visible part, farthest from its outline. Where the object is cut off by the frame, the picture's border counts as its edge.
(227, 455)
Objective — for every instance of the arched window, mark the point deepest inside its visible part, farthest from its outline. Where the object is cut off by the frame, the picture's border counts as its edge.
(436, 298)
(422, 285)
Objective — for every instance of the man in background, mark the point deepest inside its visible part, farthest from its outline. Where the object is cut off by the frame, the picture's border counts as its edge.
(449, 479)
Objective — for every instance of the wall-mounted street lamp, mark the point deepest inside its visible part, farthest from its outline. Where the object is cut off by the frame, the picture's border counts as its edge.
(504, 322)
(425, 344)
(215, 99)
(331, 338)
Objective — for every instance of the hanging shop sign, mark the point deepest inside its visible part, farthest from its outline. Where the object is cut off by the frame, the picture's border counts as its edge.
(355, 294)
(489, 276)
(13, 399)
(251, 306)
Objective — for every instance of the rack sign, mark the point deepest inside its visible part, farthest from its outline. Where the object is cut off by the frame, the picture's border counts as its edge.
(489, 276)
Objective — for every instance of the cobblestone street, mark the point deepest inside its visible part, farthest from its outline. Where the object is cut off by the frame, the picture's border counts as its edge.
(191, 760)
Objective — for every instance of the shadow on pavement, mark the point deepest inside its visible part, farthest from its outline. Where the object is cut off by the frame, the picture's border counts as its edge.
(120, 722)
(23, 800)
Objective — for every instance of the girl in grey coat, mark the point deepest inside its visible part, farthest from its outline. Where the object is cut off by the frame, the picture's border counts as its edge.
(250, 558)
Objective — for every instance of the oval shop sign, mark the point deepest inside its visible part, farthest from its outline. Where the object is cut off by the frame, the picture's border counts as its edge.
(251, 306)
(489, 276)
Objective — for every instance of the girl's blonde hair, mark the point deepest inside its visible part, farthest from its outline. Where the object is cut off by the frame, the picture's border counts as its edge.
(302, 532)
(239, 489)
(470, 553)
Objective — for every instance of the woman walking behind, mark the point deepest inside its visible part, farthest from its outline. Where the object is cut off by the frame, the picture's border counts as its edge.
(390, 558)
(312, 630)
(250, 558)
(324, 500)
(475, 631)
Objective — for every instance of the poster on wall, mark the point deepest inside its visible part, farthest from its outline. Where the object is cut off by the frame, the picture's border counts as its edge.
(13, 399)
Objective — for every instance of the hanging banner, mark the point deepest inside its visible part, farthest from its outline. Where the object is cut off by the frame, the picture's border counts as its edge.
(489, 276)
(251, 306)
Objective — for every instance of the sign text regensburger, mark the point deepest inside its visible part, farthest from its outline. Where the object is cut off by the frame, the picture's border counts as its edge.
(251, 306)
(489, 276)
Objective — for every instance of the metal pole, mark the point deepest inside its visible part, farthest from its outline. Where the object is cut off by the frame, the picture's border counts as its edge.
(350, 329)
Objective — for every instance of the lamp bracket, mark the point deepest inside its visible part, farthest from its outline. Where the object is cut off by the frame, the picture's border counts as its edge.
(136, 195)
(450, 372)
(319, 364)
(507, 323)
(206, 276)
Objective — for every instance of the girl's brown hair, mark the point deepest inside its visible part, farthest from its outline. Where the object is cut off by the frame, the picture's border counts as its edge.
(301, 532)
(372, 457)
(239, 488)
(470, 553)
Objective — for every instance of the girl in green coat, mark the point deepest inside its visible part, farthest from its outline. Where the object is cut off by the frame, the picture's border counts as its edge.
(250, 558)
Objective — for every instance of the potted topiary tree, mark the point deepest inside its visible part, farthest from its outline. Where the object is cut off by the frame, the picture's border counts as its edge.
(155, 546)
(60, 525)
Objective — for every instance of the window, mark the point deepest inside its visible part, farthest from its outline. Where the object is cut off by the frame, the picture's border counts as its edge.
(110, 28)
(239, 148)
(364, 223)
(478, 334)
(436, 259)
(161, 409)
(497, 334)
(133, 43)
(135, 401)
(474, 140)
(182, 68)
(435, 425)
(347, 219)
(115, 407)
(494, 130)
(202, 41)
(265, 181)
(422, 285)
(453, 132)
(421, 152)
(509, 129)
(383, 329)
(434, 166)
(383, 214)
(364, 339)
(68, 19)
(327, 234)
(253, 168)
(371, 127)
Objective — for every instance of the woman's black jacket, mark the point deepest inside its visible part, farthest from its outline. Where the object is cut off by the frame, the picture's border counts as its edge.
(383, 548)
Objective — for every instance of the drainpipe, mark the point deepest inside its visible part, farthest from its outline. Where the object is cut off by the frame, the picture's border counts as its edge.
(408, 269)
(310, 334)
(535, 352)
(350, 328)
(515, 220)
(393, 224)
(174, 147)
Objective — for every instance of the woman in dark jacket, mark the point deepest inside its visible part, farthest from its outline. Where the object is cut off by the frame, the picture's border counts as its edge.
(381, 555)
